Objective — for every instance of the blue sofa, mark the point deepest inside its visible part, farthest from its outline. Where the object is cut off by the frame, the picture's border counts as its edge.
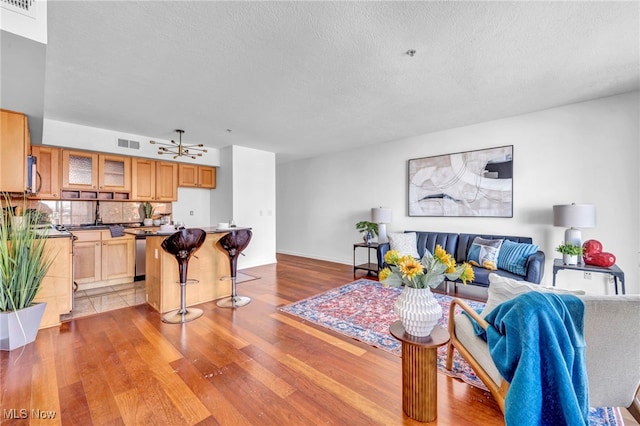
(458, 245)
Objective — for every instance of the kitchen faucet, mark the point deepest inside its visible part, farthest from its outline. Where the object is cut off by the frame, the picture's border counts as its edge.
(98, 220)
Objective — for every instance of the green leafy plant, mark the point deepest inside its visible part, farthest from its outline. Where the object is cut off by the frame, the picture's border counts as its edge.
(148, 209)
(570, 249)
(23, 260)
(366, 226)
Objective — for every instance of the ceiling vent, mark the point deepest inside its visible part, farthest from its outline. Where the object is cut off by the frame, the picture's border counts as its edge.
(126, 143)
(24, 7)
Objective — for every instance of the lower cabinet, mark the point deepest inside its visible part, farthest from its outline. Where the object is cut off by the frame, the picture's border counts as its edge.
(100, 259)
(57, 286)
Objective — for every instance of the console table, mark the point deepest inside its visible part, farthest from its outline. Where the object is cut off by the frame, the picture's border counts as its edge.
(370, 267)
(614, 271)
(419, 371)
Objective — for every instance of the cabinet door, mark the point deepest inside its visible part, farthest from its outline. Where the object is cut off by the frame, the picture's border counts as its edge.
(143, 182)
(57, 286)
(166, 181)
(14, 134)
(114, 173)
(187, 175)
(206, 177)
(79, 170)
(118, 258)
(87, 260)
(48, 170)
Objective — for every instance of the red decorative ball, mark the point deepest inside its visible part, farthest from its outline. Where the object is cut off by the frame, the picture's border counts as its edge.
(591, 247)
(603, 260)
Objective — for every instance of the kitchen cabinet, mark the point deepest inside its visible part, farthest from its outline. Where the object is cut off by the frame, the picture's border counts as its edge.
(57, 286)
(14, 148)
(48, 159)
(190, 175)
(154, 180)
(103, 176)
(100, 259)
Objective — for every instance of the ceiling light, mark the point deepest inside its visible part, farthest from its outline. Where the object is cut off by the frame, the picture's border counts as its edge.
(411, 52)
(179, 150)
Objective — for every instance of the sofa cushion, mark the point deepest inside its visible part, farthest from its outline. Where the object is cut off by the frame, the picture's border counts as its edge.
(484, 253)
(502, 289)
(513, 256)
(405, 243)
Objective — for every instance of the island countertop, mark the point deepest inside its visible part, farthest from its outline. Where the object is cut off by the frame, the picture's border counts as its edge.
(143, 233)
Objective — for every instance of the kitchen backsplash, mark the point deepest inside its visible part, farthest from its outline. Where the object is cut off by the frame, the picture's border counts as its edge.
(83, 212)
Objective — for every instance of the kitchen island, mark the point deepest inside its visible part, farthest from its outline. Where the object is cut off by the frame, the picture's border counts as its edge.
(209, 265)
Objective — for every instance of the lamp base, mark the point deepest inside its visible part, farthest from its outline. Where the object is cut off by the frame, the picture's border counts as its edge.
(573, 236)
(382, 233)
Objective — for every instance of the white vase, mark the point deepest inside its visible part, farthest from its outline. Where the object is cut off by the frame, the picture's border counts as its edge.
(569, 259)
(147, 221)
(418, 311)
(19, 328)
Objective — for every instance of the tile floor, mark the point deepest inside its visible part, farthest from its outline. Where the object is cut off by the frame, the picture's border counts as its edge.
(93, 301)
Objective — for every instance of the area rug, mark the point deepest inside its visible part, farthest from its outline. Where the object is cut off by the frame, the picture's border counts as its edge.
(363, 310)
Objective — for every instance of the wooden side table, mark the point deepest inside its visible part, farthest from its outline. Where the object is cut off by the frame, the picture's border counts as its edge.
(370, 267)
(419, 371)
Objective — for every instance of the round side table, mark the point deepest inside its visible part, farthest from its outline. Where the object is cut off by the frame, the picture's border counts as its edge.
(419, 371)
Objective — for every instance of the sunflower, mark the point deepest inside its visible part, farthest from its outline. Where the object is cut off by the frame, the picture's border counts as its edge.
(443, 257)
(384, 274)
(410, 267)
(467, 273)
(392, 257)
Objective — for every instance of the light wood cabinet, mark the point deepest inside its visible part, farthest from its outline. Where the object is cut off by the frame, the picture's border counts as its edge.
(14, 148)
(57, 286)
(154, 180)
(190, 175)
(166, 181)
(48, 159)
(100, 259)
(93, 172)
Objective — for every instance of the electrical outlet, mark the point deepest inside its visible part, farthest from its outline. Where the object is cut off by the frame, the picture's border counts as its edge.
(587, 275)
(190, 212)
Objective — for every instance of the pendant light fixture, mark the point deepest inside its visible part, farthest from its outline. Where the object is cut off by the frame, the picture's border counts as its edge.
(179, 150)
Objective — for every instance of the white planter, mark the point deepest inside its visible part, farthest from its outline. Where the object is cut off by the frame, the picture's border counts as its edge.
(20, 327)
(569, 259)
(418, 311)
(147, 221)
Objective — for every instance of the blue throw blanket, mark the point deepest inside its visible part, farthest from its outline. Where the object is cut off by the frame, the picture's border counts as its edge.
(536, 341)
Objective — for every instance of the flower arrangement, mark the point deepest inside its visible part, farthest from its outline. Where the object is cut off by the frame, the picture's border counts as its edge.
(430, 271)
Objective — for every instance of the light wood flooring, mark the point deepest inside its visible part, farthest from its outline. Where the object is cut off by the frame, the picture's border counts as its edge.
(248, 366)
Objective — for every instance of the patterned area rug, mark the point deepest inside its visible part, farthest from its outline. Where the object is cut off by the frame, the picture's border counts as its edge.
(363, 310)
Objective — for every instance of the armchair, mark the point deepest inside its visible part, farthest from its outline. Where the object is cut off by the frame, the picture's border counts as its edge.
(612, 351)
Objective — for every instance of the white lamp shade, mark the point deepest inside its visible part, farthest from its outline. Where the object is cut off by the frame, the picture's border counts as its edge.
(380, 215)
(575, 215)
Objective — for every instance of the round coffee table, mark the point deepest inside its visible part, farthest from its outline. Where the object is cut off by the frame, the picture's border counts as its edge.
(419, 371)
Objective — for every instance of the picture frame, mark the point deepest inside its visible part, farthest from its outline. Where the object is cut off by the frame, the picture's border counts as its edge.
(476, 183)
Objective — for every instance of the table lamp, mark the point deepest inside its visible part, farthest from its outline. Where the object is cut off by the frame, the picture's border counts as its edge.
(381, 216)
(575, 216)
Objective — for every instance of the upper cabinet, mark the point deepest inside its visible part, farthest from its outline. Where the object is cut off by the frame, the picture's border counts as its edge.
(91, 175)
(154, 180)
(196, 176)
(48, 183)
(14, 148)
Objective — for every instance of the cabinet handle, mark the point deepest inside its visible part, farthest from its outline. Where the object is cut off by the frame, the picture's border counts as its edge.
(97, 244)
(102, 187)
(55, 195)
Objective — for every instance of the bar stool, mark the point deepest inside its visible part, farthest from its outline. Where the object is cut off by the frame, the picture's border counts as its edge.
(182, 245)
(233, 243)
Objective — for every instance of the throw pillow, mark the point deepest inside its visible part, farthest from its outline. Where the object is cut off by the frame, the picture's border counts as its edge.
(484, 253)
(502, 289)
(513, 256)
(405, 243)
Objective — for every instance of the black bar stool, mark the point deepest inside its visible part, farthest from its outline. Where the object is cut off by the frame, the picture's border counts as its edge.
(182, 245)
(233, 243)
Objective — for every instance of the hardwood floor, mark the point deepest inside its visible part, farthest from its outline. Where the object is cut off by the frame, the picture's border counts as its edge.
(252, 366)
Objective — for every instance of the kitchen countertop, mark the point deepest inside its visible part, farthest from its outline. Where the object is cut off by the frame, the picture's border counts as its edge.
(144, 233)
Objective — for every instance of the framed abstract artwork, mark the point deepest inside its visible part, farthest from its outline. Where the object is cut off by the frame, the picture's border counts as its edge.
(472, 183)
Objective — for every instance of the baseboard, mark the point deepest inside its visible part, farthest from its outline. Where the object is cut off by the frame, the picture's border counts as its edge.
(326, 259)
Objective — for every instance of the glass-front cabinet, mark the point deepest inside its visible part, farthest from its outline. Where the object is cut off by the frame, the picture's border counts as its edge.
(97, 174)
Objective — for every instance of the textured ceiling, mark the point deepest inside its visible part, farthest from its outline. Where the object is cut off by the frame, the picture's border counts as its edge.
(303, 78)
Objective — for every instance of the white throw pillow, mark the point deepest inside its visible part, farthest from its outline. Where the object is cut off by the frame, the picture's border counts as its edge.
(502, 289)
(405, 243)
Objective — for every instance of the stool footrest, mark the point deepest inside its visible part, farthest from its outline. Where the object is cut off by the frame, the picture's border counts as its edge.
(189, 281)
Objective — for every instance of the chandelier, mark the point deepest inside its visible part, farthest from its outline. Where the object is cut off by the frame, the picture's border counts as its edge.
(179, 150)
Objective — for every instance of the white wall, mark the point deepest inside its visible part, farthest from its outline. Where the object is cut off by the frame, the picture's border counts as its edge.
(583, 153)
(70, 135)
(193, 207)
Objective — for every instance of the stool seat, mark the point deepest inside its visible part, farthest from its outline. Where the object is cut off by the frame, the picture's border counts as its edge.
(182, 245)
(234, 243)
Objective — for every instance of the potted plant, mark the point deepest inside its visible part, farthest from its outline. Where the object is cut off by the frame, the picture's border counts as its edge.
(368, 230)
(570, 253)
(148, 213)
(23, 265)
(416, 307)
